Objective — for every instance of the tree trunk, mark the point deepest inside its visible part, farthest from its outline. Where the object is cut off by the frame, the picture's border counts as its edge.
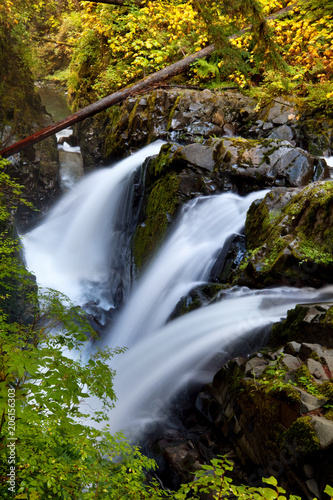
(111, 100)
(119, 96)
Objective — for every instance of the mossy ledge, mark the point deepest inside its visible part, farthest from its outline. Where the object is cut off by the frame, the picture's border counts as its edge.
(161, 206)
(290, 238)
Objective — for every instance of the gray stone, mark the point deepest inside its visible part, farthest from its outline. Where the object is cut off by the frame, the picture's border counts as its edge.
(229, 129)
(312, 486)
(308, 471)
(316, 369)
(199, 155)
(324, 430)
(283, 132)
(291, 362)
(255, 366)
(282, 119)
(218, 118)
(301, 172)
(307, 349)
(292, 348)
(309, 402)
(267, 126)
(240, 360)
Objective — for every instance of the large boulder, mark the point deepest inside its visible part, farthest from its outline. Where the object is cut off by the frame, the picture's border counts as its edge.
(289, 238)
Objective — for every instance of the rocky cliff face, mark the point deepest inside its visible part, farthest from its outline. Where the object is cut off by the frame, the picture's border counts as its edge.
(22, 114)
(186, 116)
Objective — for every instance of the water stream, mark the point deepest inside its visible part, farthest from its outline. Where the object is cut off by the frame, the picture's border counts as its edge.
(186, 260)
(82, 249)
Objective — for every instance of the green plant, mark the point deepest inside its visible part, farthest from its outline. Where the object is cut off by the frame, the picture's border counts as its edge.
(47, 450)
(214, 479)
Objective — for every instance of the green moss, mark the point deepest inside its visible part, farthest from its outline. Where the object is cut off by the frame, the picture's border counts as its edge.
(162, 204)
(302, 436)
(111, 139)
(326, 389)
(159, 165)
(328, 318)
(329, 415)
(132, 114)
(282, 242)
(286, 331)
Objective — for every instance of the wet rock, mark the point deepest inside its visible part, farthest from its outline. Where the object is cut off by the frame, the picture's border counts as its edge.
(289, 238)
(272, 423)
(252, 164)
(71, 140)
(285, 133)
(185, 116)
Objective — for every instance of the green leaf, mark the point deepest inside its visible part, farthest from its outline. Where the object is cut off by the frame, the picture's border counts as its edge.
(270, 480)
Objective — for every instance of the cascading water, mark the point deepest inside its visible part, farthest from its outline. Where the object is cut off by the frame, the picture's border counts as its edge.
(154, 368)
(84, 240)
(77, 251)
(185, 261)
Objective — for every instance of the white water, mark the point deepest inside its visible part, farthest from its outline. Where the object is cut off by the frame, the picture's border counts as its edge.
(80, 243)
(153, 369)
(77, 248)
(185, 261)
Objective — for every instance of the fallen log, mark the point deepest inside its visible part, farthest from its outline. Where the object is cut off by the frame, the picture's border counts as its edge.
(111, 100)
(47, 40)
(120, 96)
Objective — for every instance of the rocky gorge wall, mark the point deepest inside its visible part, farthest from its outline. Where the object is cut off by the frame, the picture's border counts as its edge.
(37, 167)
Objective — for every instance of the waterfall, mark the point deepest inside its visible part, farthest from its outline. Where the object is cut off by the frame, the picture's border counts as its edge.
(185, 261)
(84, 240)
(80, 248)
(155, 367)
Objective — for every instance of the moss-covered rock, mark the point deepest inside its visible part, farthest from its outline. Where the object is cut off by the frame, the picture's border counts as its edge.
(289, 238)
(22, 114)
(162, 204)
(275, 422)
(305, 323)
